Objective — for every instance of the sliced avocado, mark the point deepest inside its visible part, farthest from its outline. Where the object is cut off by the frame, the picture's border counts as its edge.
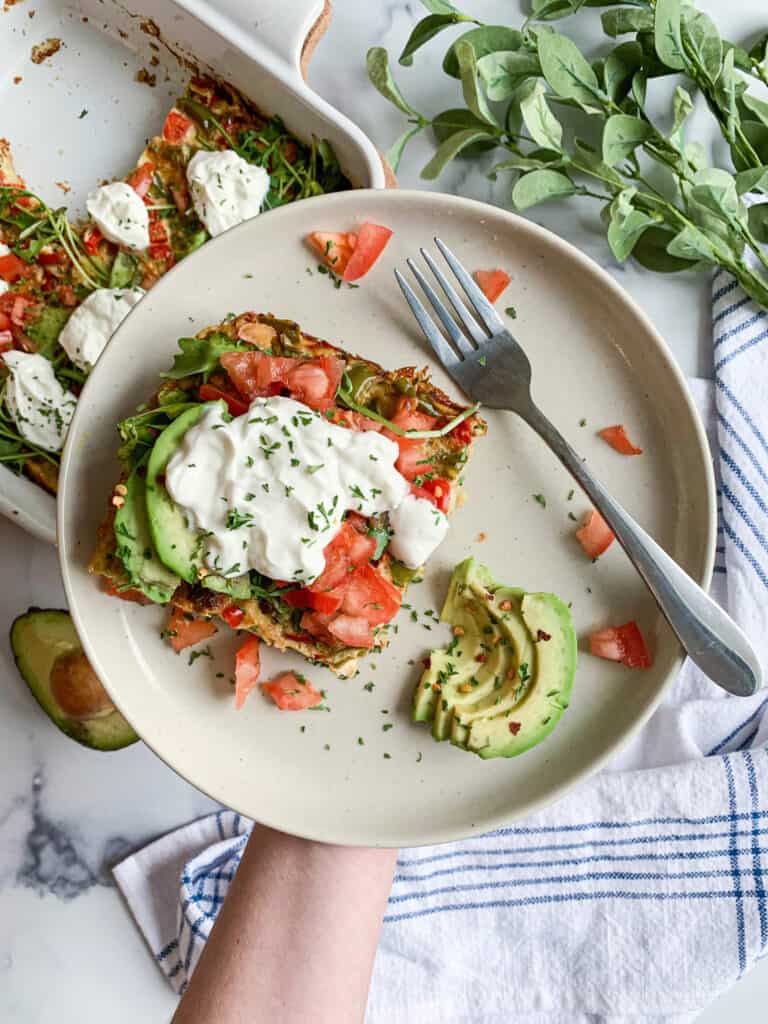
(52, 664)
(238, 587)
(134, 544)
(176, 545)
(505, 679)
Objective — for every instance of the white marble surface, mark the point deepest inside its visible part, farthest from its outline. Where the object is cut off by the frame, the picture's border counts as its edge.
(68, 950)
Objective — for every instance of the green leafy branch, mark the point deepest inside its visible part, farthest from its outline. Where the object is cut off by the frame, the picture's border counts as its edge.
(661, 200)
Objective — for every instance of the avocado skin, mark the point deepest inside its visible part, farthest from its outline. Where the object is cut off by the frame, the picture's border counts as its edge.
(519, 689)
(176, 545)
(38, 638)
(135, 548)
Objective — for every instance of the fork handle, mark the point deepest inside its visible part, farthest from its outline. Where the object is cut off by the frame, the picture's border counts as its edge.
(709, 636)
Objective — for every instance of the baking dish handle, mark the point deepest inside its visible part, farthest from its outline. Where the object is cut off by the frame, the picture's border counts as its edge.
(287, 29)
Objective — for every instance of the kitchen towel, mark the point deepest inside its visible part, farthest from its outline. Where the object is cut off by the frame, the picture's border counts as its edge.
(639, 897)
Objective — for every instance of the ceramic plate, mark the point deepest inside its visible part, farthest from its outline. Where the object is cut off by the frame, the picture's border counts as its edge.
(596, 361)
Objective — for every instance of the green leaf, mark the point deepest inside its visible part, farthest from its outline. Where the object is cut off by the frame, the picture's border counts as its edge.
(45, 330)
(586, 159)
(682, 105)
(427, 29)
(757, 133)
(622, 20)
(473, 97)
(758, 221)
(759, 51)
(666, 34)
(753, 180)
(703, 41)
(726, 91)
(502, 72)
(198, 356)
(382, 80)
(550, 10)
(639, 83)
(484, 40)
(715, 190)
(626, 224)
(650, 251)
(394, 154)
(566, 70)
(539, 186)
(692, 244)
(439, 6)
(455, 120)
(621, 137)
(756, 106)
(452, 146)
(620, 65)
(542, 125)
(537, 159)
(123, 270)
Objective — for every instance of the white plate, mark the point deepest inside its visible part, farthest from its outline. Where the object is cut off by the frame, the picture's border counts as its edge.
(595, 357)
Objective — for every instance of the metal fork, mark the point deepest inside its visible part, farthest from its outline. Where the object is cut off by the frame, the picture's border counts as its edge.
(491, 368)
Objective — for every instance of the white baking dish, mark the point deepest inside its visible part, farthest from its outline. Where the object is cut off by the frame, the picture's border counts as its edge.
(260, 48)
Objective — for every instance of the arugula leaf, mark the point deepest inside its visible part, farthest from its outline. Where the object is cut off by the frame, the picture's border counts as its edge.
(198, 356)
(123, 270)
(45, 330)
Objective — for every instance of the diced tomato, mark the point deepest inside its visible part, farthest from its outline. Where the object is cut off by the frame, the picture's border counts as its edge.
(181, 198)
(617, 438)
(247, 669)
(325, 602)
(371, 240)
(233, 615)
(184, 631)
(177, 127)
(348, 549)
(6, 341)
(135, 596)
(92, 239)
(370, 596)
(316, 624)
(463, 432)
(52, 259)
(292, 692)
(412, 460)
(437, 490)
(12, 268)
(159, 247)
(492, 282)
(67, 295)
(20, 308)
(621, 643)
(594, 534)
(354, 420)
(141, 179)
(312, 381)
(335, 248)
(5, 321)
(209, 393)
(408, 416)
(354, 631)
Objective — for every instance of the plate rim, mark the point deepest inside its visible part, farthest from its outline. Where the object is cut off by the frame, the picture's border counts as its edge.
(428, 834)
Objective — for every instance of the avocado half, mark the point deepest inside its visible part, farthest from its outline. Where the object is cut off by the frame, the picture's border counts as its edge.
(505, 679)
(52, 664)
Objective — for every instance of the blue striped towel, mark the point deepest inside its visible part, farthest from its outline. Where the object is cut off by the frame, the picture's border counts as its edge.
(639, 897)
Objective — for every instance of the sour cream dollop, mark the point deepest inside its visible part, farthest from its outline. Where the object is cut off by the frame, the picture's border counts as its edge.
(417, 529)
(225, 189)
(270, 488)
(120, 215)
(93, 323)
(41, 408)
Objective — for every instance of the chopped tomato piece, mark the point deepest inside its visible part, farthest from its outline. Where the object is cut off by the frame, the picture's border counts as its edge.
(408, 416)
(463, 432)
(371, 239)
(67, 295)
(316, 624)
(354, 420)
(233, 615)
(12, 268)
(312, 381)
(135, 596)
(184, 631)
(181, 198)
(335, 248)
(19, 307)
(370, 596)
(621, 643)
(5, 322)
(177, 127)
(292, 692)
(247, 669)
(594, 534)
(437, 490)
(92, 239)
(50, 259)
(617, 438)
(141, 179)
(412, 460)
(159, 246)
(492, 282)
(352, 630)
(325, 602)
(348, 549)
(6, 341)
(209, 393)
